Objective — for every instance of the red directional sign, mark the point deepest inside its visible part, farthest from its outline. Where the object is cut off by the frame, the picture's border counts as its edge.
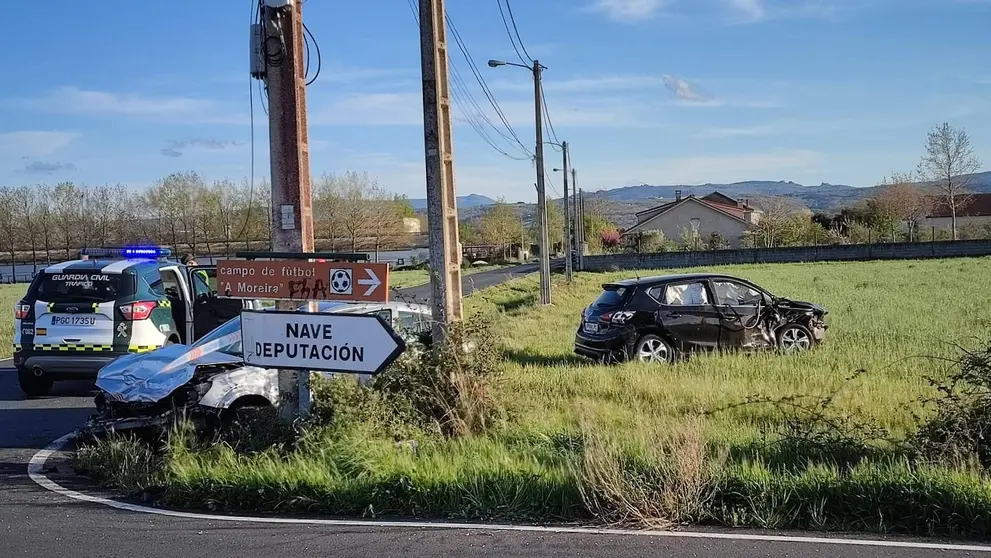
(302, 280)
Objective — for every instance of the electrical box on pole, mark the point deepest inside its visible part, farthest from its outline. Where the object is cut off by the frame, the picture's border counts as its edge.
(257, 63)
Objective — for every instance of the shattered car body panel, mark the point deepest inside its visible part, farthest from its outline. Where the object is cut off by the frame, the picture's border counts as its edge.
(695, 313)
(198, 382)
(142, 378)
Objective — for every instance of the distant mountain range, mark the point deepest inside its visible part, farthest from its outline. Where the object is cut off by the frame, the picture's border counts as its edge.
(471, 200)
(824, 197)
(620, 205)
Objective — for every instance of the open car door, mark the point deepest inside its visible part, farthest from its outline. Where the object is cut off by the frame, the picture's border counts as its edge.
(209, 310)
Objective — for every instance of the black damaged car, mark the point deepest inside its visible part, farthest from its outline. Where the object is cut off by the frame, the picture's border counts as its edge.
(659, 319)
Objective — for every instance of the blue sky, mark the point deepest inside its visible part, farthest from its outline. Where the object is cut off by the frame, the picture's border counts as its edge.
(645, 91)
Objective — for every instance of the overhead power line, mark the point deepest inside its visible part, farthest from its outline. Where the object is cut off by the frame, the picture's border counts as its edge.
(509, 8)
(512, 39)
(505, 140)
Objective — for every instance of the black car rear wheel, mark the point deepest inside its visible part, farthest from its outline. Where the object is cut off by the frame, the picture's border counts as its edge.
(32, 385)
(794, 338)
(653, 348)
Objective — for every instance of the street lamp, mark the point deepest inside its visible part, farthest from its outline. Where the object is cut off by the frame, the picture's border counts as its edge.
(545, 260)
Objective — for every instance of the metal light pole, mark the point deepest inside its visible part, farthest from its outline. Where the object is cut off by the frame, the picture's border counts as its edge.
(545, 257)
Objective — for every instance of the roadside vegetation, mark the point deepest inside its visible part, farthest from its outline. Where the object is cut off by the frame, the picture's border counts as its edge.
(9, 296)
(883, 428)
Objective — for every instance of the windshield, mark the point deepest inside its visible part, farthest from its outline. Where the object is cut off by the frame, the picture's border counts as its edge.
(88, 286)
(232, 326)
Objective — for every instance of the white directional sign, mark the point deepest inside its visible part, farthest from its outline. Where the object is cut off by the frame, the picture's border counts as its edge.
(359, 343)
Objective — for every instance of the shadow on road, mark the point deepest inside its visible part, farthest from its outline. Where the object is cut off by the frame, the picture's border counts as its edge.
(10, 391)
(36, 428)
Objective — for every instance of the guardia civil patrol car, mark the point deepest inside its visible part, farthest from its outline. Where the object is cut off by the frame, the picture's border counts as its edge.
(79, 315)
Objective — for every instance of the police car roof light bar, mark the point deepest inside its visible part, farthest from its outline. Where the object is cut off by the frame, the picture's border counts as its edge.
(136, 252)
(329, 256)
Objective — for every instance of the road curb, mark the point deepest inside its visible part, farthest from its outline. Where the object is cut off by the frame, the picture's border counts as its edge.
(36, 468)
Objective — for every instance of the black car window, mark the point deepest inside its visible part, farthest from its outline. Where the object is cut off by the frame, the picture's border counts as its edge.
(611, 296)
(733, 293)
(686, 294)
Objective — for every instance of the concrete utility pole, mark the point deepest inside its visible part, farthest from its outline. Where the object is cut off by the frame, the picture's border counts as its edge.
(568, 271)
(576, 223)
(581, 229)
(442, 203)
(292, 209)
(545, 256)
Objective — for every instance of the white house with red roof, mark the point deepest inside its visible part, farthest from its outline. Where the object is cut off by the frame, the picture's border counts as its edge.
(714, 213)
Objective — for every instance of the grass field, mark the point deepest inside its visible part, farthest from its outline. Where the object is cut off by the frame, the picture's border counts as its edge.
(414, 277)
(9, 296)
(629, 442)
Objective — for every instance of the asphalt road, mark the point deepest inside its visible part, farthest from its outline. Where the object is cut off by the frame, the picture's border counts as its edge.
(469, 283)
(41, 524)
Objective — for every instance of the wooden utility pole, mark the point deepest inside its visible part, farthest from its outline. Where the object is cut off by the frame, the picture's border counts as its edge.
(545, 256)
(442, 203)
(282, 49)
(568, 271)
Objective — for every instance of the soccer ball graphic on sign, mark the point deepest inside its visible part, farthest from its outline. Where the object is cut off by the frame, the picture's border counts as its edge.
(340, 281)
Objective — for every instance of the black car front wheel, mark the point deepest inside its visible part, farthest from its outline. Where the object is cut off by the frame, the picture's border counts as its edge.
(653, 348)
(793, 338)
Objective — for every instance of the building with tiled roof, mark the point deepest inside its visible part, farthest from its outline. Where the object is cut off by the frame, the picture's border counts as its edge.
(715, 212)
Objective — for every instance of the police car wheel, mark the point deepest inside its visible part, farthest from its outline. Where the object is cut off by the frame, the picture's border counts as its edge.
(34, 386)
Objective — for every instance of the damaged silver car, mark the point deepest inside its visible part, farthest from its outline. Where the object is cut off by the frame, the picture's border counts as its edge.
(208, 382)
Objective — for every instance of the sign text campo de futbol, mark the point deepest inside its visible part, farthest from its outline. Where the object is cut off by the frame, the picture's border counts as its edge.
(300, 280)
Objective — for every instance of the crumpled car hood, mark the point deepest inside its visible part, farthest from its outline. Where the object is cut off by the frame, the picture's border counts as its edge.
(800, 305)
(138, 378)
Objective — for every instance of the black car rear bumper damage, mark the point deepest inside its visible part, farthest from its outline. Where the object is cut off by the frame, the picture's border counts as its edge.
(605, 344)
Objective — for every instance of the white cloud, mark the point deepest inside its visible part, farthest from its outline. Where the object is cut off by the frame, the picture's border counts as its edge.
(685, 91)
(74, 100)
(374, 109)
(702, 169)
(628, 10)
(749, 10)
(34, 143)
(177, 147)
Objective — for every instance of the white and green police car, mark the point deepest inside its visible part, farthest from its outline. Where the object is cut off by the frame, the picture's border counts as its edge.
(79, 315)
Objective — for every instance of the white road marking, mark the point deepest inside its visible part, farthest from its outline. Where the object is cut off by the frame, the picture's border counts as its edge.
(37, 464)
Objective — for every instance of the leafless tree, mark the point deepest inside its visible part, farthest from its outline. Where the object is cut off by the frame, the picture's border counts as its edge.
(44, 216)
(225, 202)
(328, 209)
(69, 201)
(10, 223)
(947, 164)
(500, 225)
(367, 213)
(901, 201)
(776, 220)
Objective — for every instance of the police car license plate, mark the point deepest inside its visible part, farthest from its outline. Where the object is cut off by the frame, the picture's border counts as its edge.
(73, 320)
(591, 327)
